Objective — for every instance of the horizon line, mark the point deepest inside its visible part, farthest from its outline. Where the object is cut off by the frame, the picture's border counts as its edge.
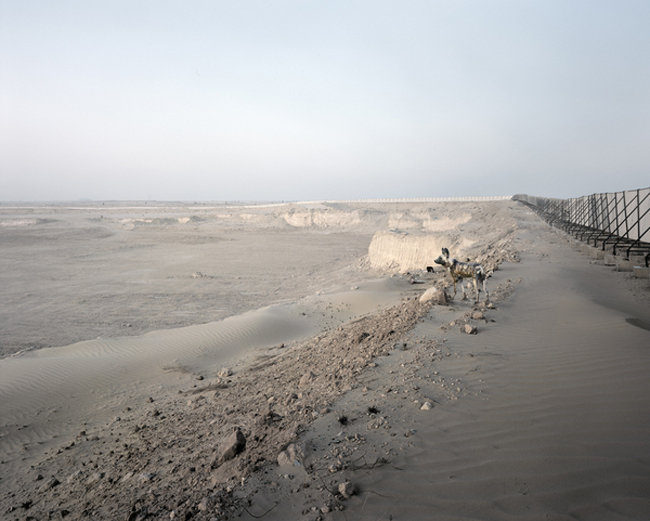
(387, 200)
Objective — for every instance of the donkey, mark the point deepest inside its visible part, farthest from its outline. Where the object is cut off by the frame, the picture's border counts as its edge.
(463, 270)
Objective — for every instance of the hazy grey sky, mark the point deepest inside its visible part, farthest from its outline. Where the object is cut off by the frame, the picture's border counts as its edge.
(304, 99)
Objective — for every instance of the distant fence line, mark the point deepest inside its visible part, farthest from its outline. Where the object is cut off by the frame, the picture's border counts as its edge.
(416, 200)
(619, 221)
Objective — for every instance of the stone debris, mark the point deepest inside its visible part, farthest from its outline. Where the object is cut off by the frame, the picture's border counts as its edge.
(468, 329)
(73, 477)
(306, 380)
(49, 484)
(347, 489)
(127, 476)
(234, 445)
(94, 478)
(292, 455)
(435, 295)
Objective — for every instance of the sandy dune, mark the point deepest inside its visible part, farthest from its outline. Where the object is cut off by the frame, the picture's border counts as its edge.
(543, 414)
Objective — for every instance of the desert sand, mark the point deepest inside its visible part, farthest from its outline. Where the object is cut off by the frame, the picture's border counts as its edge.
(221, 361)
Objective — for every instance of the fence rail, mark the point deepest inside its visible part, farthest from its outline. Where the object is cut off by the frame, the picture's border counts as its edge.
(618, 221)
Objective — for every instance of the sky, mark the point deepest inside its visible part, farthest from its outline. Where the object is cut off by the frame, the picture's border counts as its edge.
(333, 99)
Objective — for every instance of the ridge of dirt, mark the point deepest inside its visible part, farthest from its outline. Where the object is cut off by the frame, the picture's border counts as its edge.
(164, 449)
(163, 459)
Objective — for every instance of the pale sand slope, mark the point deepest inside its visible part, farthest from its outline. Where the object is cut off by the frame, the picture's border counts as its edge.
(554, 420)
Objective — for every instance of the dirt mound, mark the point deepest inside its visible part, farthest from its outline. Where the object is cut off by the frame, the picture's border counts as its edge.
(172, 455)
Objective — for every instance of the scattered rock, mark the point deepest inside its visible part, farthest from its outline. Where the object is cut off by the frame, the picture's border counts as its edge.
(292, 455)
(97, 476)
(225, 372)
(205, 504)
(478, 315)
(361, 337)
(427, 406)
(235, 444)
(435, 295)
(307, 379)
(49, 484)
(347, 489)
(469, 329)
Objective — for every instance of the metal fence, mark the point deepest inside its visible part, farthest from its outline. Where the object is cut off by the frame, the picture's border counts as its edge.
(618, 221)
